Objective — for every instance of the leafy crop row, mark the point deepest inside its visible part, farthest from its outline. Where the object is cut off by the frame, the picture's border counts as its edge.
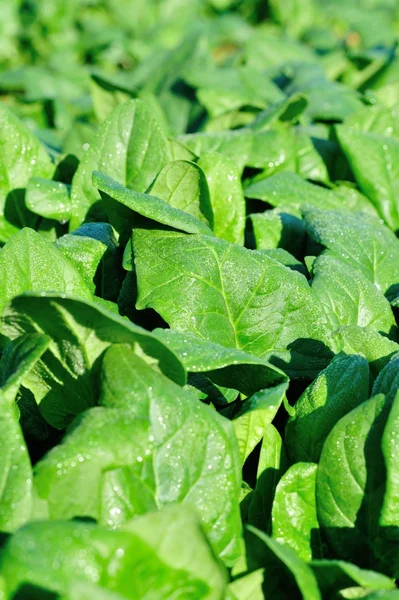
(199, 285)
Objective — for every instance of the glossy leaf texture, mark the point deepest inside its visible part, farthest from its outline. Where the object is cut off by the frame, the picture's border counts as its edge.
(224, 302)
(171, 448)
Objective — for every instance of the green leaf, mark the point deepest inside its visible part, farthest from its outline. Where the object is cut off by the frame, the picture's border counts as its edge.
(335, 575)
(289, 576)
(15, 471)
(376, 348)
(123, 204)
(80, 332)
(49, 199)
(85, 253)
(294, 517)
(342, 386)
(248, 587)
(348, 297)
(350, 488)
(287, 149)
(373, 159)
(129, 146)
(225, 366)
(182, 184)
(389, 444)
(375, 119)
(18, 358)
(29, 262)
(290, 190)
(279, 228)
(285, 110)
(236, 145)
(226, 196)
(22, 156)
(108, 273)
(231, 296)
(286, 259)
(16, 476)
(271, 466)
(254, 416)
(387, 382)
(181, 450)
(71, 555)
(360, 242)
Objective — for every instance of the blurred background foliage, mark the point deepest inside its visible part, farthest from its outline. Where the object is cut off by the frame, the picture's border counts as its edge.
(65, 64)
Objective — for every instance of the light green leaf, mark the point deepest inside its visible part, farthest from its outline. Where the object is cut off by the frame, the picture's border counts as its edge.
(181, 449)
(373, 159)
(287, 189)
(49, 199)
(376, 119)
(225, 366)
(236, 145)
(255, 414)
(67, 556)
(248, 587)
(290, 190)
(16, 475)
(80, 332)
(29, 262)
(360, 242)
(350, 487)
(289, 576)
(271, 465)
(21, 157)
(85, 253)
(376, 348)
(129, 146)
(338, 389)
(348, 297)
(294, 517)
(123, 203)
(15, 470)
(231, 296)
(182, 184)
(226, 196)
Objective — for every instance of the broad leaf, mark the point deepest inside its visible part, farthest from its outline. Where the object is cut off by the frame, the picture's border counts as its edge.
(125, 203)
(182, 184)
(294, 517)
(22, 156)
(29, 262)
(289, 576)
(147, 426)
(360, 242)
(75, 555)
(255, 415)
(350, 491)
(271, 466)
(49, 199)
(80, 332)
(374, 159)
(338, 389)
(376, 348)
(226, 196)
(232, 296)
(225, 366)
(348, 297)
(129, 146)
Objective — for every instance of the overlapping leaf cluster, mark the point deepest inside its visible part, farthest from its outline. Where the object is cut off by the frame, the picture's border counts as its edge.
(199, 283)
